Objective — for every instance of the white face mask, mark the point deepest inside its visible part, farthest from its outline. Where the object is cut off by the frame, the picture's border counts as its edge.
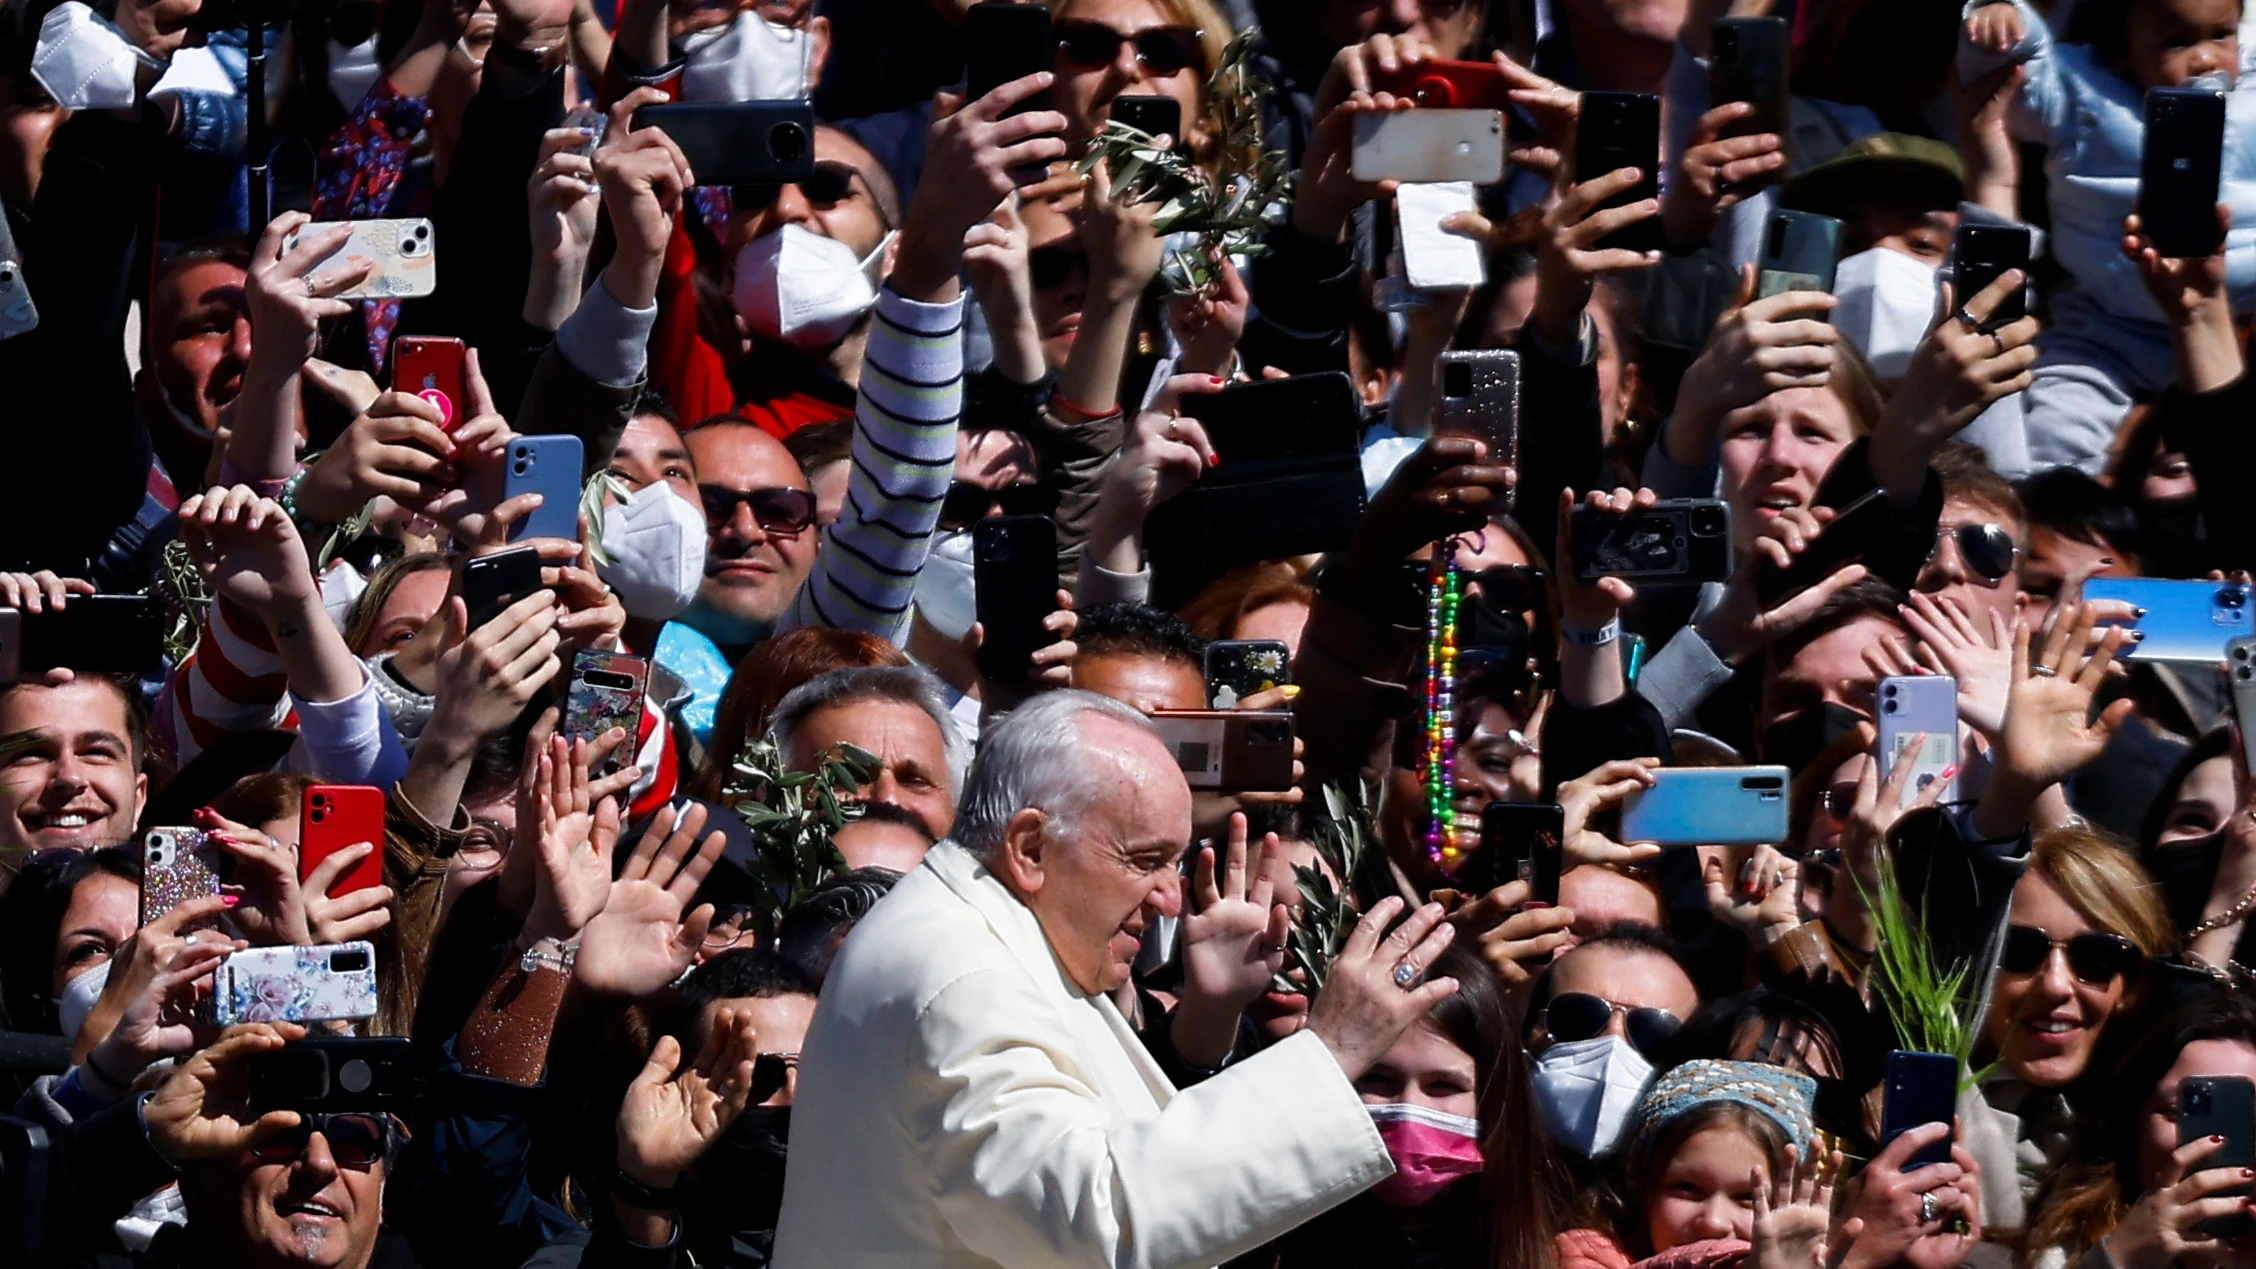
(1887, 303)
(796, 287)
(652, 551)
(1586, 1090)
(352, 71)
(84, 61)
(944, 593)
(748, 60)
(78, 998)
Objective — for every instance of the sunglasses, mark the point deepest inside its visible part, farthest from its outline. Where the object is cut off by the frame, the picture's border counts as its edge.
(2093, 958)
(1163, 50)
(775, 510)
(831, 183)
(1988, 550)
(967, 502)
(356, 1141)
(1511, 587)
(1578, 1015)
(1048, 267)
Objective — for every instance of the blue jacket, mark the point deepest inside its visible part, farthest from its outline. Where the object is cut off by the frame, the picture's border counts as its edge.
(2091, 122)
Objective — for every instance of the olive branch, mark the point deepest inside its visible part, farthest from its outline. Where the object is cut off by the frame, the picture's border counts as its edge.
(1327, 913)
(793, 815)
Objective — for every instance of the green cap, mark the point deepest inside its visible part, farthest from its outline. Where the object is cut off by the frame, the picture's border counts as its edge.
(1896, 166)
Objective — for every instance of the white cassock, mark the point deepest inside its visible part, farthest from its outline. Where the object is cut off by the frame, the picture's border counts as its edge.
(961, 1102)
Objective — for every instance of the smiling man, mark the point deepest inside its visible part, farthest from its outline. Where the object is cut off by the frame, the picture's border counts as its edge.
(78, 782)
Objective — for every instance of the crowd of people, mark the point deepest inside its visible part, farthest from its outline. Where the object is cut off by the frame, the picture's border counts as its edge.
(859, 940)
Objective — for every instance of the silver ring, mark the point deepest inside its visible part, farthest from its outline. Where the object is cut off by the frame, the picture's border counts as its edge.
(1929, 1209)
(1998, 343)
(1405, 974)
(2043, 671)
(190, 941)
(1969, 321)
(310, 286)
(1778, 878)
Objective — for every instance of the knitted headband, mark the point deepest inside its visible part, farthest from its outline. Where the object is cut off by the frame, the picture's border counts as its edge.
(1784, 1096)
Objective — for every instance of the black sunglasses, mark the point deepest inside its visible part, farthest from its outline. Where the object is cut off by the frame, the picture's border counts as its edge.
(1578, 1015)
(1164, 50)
(967, 502)
(776, 510)
(2093, 958)
(356, 1141)
(1049, 267)
(1988, 550)
(830, 184)
(1511, 587)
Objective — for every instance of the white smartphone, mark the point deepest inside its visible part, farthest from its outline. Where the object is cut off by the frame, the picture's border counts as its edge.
(1920, 704)
(406, 256)
(1434, 259)
(1427, 146)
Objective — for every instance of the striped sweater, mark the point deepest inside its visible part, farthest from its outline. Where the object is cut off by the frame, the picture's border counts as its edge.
(904, 454)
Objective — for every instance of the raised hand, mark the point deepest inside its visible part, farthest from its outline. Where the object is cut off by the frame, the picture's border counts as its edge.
(1885, 1203)
(1377, 987)
(982, 150)
(396, 449)
(1955, 373)
(1766, 905)
(640, 942)
(250, 549)
(486, 677)
(1448, 486)
(1740, 626)
(1595, 790)
(669, 1117)
(1712, 175)
(357, 914)
(287, 297)
(1982, 665)
(561, 199)
(1209, 325)
(1760, 346)
(157, 978)
(200, 1112)
(1794, 1212)
(1591, 605)
(1235, 943)
(1517, 943)
(573, 880)
(644, 177)
(2161, 1229)
(1124, 250)
(273, 909)
(2049, 733)
(1995, 28)
(42, 591)
(1568, 257)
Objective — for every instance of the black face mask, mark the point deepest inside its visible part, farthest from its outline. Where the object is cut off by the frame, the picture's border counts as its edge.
(1481, 625)
(739, 1180)
(2186, 870)
(2170, 532)
(1796, 742)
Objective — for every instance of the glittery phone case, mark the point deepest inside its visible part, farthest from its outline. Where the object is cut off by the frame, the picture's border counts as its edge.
(607, 691)
(177, 864)
(296, 984)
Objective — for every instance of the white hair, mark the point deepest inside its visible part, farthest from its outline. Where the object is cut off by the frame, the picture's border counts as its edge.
(1033, 758)
(901, 684)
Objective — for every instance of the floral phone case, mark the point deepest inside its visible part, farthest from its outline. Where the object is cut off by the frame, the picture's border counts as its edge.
(296, 984)
(405, 253)
(177, 864)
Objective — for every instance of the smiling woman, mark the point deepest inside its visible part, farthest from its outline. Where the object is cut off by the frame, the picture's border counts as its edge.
(64, 913)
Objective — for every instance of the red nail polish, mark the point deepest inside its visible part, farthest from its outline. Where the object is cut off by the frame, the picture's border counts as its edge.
(1214, 460)
(1948, 772)
(230, 900)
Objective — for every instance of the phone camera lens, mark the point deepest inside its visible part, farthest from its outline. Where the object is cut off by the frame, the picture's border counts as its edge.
(317, 815)
(521, 468)
(787, 142)
(2230, 597)
(1708, 522)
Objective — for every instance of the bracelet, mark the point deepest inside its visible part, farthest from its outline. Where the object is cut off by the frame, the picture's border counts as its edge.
(122, 1086)
(1066, 403)
(2239, 909)
(560, 960)
(634, 1193)
(1598, 638)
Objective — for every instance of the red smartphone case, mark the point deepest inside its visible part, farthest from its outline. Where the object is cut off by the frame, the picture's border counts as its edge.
(1443, 85)
(334, 816)
(430, 366)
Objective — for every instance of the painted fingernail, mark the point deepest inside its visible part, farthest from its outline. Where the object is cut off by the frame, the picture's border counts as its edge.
(2138, 612)
(1291, 691)
(1213, 460)
(1948, 772)
(230, 900)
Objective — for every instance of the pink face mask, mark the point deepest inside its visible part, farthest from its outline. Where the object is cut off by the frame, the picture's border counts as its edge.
(1430, 1151)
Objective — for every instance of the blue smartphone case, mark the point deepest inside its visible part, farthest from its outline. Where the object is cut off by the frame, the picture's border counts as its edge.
(2184, 621)
(1709, 806)
(1922, 1088)
(549, 466)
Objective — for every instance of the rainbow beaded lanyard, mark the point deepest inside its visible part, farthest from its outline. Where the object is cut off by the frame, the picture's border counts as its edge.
(1445, 589)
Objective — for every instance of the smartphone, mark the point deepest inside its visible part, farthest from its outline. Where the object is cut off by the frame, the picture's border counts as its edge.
(1979, 254)
(2182, 621)
(739, 142)
(1014, 574)
(1427, 146)
(1519, 841)
(1674, 542)
(1477, 393)
(1269, 424)
(550, 466)
(1747, 61)
(326, 982)
(430, 366)
(1004, 42)
(1618, 130)
(2240, 665)
(2221, 1106)
(1922, 1088)
(606, 692)
(334, 1073)
(1152, 116)
(2178, 170)
(334, 816)
(1799, 252)
(17, 313)
(1449, 85)
(1853, 530)
(178, 864)
(1238, 668)
(1434, 259)
(1919, 704)
(1709, 806)
(93, 634)
(407, 264)
(1232, 750)
(491, 583)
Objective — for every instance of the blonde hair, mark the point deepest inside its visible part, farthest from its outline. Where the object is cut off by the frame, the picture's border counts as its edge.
(1213, 28)
(2102, 880)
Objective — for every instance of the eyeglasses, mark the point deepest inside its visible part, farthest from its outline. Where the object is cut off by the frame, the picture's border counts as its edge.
(1578, 1015)
(1163, 50)
(1049, 267)
(831, 183)
(967, 502)
(2093, 958)
(1988, 550)
(1511, 587)
(356, 1141)
(775, 510)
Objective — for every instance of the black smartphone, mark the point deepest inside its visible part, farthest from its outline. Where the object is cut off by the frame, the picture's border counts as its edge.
(1748, 61)
(2221, 1106)
(94, 634)
(1519, 841)
(491, 583)
(1677, 541)
(334, 1073)
(1152, 116)
(1614, 131)
(1267, 424)
(2178, 170)
(1979, 253)
(1800, 252)
(739, 142)
(1238, 668)
(1004, 42)
(1922, 1088)
(1014, 574)
(1844, 540)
